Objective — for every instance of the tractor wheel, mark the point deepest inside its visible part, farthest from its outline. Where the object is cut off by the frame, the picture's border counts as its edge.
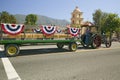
(96, 41)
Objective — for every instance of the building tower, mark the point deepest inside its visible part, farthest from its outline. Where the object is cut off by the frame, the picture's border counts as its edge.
(76, 19)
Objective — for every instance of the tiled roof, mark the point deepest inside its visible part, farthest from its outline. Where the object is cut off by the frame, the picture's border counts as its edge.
(84, 24)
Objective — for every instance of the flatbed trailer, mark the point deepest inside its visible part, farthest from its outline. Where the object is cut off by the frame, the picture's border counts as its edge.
(11, 47)
(13, 41)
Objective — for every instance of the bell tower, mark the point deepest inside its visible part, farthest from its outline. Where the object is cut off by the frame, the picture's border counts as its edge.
(76, 19)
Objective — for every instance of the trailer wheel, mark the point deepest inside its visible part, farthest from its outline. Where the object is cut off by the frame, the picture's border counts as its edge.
(60, 45)
(12, 50)
(73, 46)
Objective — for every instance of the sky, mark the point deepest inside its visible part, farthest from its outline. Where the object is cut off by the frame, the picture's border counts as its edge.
(59, 9)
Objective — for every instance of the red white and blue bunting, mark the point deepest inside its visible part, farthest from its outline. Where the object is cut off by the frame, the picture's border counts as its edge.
(37, 30)
(74, 31)
(12, 29)
(48, 30)
(59, 31)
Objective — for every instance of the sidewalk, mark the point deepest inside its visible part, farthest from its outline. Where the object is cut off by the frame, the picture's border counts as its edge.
(115, 44)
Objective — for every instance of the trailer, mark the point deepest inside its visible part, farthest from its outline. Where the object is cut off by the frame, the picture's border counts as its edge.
(12, 36)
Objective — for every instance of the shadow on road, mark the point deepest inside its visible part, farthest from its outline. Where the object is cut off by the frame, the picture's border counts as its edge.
(41, 51)
(46, 51)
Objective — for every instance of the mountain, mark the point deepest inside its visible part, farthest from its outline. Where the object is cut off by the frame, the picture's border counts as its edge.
(44, 20)
(20, 18)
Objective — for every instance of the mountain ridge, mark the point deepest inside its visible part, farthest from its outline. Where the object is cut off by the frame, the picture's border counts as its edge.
(44, 20)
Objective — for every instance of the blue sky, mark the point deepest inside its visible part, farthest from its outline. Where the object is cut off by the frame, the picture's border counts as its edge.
(59, 9)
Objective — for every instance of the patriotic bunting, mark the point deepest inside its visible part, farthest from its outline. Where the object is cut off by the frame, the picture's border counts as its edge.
(12, 29)
(48, 30)
(74, 31)
(59, 31)
(37, 30)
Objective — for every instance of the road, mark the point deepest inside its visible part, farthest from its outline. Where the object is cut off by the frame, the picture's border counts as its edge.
(50, 63)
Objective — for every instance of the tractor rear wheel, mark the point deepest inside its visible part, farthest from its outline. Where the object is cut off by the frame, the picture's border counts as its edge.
(96, 41)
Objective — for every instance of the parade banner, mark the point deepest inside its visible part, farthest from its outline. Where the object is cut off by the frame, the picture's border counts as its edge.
(48, 30)
(12, 29)
(37, 30)
(74, 31)
(59, 31)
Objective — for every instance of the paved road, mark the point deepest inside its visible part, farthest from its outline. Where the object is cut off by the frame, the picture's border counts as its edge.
(50, 63)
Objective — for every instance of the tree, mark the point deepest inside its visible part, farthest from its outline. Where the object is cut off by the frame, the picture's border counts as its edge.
(5, 17)
(12, 19)
(97, 19)
(31, 19)
(105, 21)
(112, 22)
